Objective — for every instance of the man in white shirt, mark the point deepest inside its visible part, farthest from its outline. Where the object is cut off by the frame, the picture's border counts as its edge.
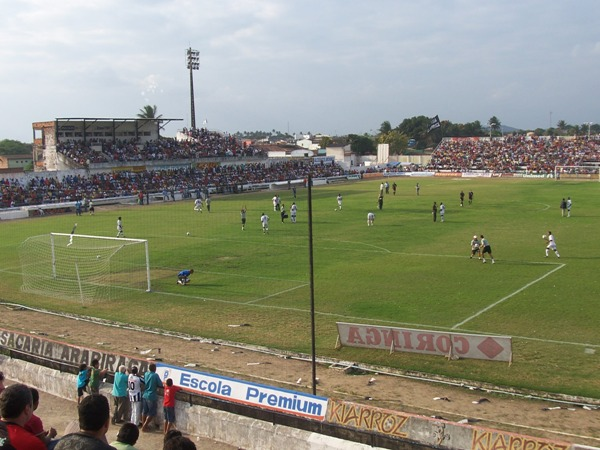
(370, 219)
(551, 245)
(264, 220)
(293, 211)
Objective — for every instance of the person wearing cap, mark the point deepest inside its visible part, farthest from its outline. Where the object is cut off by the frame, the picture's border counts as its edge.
(475, 250)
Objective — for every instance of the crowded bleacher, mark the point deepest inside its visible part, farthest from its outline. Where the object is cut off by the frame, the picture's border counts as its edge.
(513, 154)
(201, 143)
(226, 178)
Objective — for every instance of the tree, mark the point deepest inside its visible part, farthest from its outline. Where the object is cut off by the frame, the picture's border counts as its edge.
(325, 142)
(495, 124)
(149, 112)
(396, 140)
(11, 147)
(361, 145)
(385, 127)
(562, 126)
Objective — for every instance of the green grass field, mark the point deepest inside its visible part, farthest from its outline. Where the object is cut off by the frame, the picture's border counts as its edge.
(405, 271)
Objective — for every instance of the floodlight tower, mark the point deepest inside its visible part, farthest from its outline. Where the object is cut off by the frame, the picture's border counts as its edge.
(193, 63)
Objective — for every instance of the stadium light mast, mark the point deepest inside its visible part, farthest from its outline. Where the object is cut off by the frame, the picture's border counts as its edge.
(589, 124)
(193, 63)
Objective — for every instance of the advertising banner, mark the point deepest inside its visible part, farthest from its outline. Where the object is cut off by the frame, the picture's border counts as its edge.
(244, 392)
(474, 346)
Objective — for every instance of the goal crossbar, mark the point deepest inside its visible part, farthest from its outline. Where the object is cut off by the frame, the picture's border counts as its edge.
(100, 237)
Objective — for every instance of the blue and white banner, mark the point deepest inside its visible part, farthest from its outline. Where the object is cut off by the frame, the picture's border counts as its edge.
(244, 392)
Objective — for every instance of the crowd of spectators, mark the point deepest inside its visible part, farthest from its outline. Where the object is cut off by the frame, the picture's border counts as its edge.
(202, 143)
(538, 155)
(223, 178)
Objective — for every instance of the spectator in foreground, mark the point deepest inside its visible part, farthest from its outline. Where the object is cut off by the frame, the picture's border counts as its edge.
(179, 443)
(127, 437)
(120, 396)
(94, 420)
(150, 397)
(35, 425)
(2, 387)
(16, 408)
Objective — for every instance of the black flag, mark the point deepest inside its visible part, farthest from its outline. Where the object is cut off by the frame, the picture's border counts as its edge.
(434, 123)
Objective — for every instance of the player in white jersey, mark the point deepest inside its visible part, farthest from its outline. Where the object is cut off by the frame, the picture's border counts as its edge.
(339, 201)
(569, 204)
(293, 212)
(198, 205)
(264, 220)
(551, 244)
(134, 389)
(475, 249)
(442, 211)
(370, 219)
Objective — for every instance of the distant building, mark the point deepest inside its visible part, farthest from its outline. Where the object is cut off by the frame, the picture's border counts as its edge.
(15, 162)
(46, 135)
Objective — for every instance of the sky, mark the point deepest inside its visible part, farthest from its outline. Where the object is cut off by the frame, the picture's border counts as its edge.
(321, 66)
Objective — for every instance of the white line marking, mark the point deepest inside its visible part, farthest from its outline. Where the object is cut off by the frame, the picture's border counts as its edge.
(276, 294)
(487, 308)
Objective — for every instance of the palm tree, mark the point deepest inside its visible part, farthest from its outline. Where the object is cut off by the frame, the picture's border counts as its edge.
(149, 112)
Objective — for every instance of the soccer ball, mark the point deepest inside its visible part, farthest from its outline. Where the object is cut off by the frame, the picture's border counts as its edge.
(97, 256)
(543, 236)
(188, 233)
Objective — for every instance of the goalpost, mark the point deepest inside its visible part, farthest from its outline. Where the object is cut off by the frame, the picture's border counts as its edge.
(591, 173)
(84, 268)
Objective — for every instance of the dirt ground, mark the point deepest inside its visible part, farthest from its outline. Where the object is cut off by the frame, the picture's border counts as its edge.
(558, 421)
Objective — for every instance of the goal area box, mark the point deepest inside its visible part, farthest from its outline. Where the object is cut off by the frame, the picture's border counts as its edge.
(84, 268)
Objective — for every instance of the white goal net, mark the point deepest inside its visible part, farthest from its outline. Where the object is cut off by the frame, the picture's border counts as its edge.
(577, 173)
(84, 268)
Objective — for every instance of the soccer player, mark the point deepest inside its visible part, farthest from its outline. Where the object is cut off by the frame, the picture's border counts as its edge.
(569, 204)
(339, 201)
(282, 213)
(264, 220)
(486, 248)
(198, 205)
(563, 207)
(120, 227)
(442, 211)
(72, 234)
(183, 277)
(475, 247)
(394, 187)
(462, 198)
(434, 210)
(243, 217)
(370, 219)
(470, 197)
(293, 212)
(551, 244)
(417, 188)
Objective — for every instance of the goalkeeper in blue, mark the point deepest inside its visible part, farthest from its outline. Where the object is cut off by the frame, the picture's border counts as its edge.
(183, 277)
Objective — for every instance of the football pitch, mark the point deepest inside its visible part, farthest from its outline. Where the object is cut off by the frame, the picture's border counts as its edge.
(405, 271)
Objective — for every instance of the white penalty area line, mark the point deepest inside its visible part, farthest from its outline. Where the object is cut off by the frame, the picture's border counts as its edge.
(276, 294)
(502, 300)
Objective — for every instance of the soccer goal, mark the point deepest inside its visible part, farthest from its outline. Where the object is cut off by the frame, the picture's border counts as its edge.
(84, 268)
(590, 173)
